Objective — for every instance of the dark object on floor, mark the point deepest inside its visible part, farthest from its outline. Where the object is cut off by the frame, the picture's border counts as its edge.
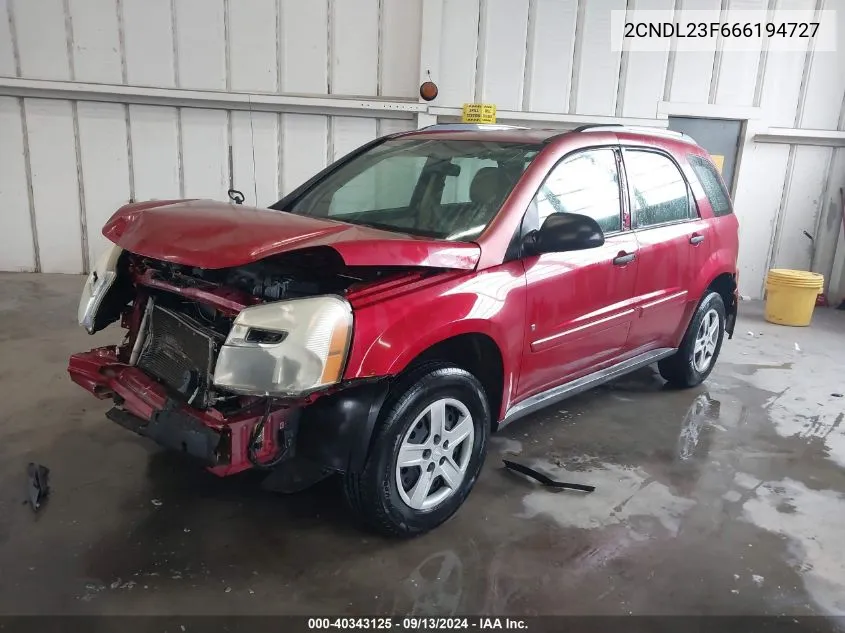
(294, 475)
(836, 395)
(545, 479)
(841, 306)
(38, 486)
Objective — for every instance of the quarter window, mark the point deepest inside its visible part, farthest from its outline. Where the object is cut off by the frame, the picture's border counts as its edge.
(715, 191)
(586, 183)
(659, 193)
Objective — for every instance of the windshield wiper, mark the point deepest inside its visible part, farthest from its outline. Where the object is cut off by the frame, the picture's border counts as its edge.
(395, 229)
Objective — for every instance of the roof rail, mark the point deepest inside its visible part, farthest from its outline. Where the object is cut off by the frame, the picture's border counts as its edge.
(447, 127)
(584, 128)
(636, 129)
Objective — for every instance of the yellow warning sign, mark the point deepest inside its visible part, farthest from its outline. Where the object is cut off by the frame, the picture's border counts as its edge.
(479, 113)
(718, 160)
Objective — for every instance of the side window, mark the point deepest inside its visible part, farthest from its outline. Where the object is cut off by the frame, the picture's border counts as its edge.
(659, 193)
(586, 183)
(389, 184)
(714, 189)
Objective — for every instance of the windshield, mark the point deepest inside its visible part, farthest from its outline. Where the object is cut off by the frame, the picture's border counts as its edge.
(445, 189)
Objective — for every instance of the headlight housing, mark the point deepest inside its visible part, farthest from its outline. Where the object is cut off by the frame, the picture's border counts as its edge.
(286, 348)
(101, 279)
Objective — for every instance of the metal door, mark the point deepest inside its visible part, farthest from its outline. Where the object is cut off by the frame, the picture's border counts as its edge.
(720, 137)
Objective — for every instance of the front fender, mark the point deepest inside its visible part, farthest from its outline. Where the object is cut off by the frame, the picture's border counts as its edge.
(390, 334)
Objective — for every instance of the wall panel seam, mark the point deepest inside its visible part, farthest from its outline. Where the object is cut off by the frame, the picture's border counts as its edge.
(822, 208)
(763, 63)
(174, 36)
(69, 39)
(279, 117)
(30, 191)
(83, 219)
(622, 74)
(528, 67)
(717, 58)
(670, 59)
(577, 52)
(480, 52)
(809, 55)
(124, 71)
(330, 44)
(74, 111)
(380, 50)
(13, 33)
(779, 215)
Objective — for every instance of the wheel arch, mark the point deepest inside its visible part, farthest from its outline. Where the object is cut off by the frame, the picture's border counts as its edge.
(476, 353)
(725, 284)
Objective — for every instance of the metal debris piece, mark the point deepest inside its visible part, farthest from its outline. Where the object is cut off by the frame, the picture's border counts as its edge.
(797, 347)
(545, 479)
(156, 502)
(836, 395)
(38, 487)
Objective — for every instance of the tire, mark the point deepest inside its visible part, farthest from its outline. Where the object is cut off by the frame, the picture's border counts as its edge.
(374, 494)
(686, 368)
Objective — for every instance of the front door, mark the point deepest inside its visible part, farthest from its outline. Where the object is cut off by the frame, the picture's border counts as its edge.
(670, 236)
(579, 304)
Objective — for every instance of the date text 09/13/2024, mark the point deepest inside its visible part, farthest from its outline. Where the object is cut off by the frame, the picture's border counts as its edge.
(416, 623)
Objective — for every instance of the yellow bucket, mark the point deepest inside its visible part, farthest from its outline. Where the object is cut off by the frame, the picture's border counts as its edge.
(791, 296)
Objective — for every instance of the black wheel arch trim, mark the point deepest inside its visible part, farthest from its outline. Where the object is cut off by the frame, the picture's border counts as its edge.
(336, 430)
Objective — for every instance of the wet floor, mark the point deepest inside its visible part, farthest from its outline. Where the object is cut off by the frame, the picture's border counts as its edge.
(725, 499)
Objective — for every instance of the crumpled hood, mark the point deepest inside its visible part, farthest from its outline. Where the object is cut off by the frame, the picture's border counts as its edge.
(209, 234)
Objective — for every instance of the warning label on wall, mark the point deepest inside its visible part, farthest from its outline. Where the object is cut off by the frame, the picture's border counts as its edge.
(479, 113)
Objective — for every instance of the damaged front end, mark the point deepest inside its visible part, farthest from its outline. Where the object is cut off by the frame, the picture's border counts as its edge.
(227, 365)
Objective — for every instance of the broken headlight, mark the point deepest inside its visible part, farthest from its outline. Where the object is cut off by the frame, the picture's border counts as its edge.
(286, 348)
(96, 287)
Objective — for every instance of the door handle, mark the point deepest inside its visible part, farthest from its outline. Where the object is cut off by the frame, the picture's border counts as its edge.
(623, 258)
(696, 239)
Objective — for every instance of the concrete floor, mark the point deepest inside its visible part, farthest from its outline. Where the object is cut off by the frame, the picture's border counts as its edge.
(725, 499)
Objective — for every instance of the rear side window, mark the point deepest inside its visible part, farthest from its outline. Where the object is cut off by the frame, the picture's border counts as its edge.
(714, 189)
(659, 193)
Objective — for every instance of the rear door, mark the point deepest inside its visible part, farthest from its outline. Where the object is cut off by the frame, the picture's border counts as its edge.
(578, 303)
(672, 243)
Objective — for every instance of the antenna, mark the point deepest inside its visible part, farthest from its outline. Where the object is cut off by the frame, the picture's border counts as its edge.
(252, 139)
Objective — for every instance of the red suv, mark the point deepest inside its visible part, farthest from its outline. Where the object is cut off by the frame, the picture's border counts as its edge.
(412, 298)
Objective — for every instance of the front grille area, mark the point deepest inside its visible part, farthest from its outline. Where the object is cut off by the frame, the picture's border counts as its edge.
(181, 353)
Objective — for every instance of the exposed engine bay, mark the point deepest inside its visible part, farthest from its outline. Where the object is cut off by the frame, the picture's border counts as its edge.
(178, 317)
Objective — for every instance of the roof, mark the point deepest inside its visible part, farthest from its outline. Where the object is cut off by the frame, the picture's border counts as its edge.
(513, 134)
(472, 132)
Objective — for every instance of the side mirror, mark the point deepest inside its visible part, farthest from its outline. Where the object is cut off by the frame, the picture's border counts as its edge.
(564, 232)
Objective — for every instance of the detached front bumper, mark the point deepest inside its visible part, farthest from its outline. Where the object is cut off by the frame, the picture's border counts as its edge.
(144, 406)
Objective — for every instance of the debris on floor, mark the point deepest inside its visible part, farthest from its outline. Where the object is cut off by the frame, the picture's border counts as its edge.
(544, 479)
(156, 502)
(797, 347)
(38, 487)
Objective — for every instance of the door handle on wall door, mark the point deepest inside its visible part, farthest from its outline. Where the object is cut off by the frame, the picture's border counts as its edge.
(696, 239)
(623, 258)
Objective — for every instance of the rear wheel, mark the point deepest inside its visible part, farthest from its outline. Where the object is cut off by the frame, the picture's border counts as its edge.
(427, 453)
(700, 347)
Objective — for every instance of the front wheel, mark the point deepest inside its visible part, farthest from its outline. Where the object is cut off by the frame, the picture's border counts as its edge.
(427, 453)
(700, 347)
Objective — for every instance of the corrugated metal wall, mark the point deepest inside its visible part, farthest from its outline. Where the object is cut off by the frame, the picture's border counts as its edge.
(66, 164)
